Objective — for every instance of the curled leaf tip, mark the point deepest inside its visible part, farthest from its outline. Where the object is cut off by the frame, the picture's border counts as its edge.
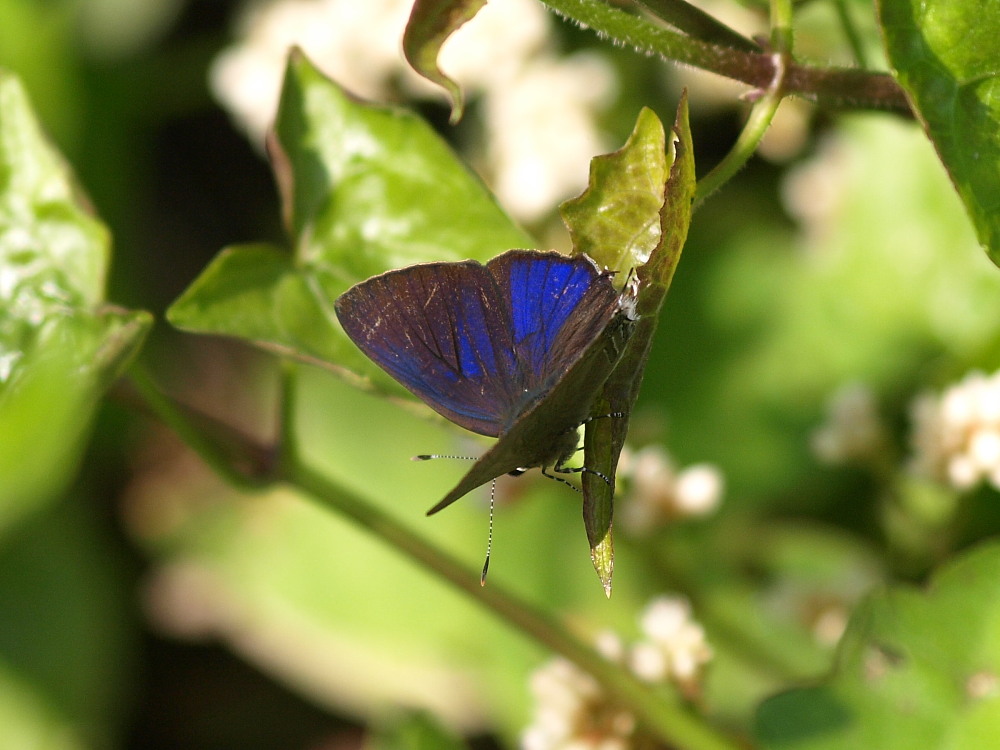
(431, 23)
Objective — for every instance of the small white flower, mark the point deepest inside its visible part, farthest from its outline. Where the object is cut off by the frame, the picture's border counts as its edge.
(540, 109)
(680, 641)
(853, 430)
(571, 710)
(698, 490)
(610, 645)
(356, 43)
(658, 493)
(541, 131)
(649, 662)
(956, 436)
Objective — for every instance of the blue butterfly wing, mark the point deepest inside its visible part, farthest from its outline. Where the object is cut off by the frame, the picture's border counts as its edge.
(559, 306)
(569, 331)
(443, 330)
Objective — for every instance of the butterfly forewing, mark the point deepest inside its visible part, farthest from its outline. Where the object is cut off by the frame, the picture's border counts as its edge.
(443, 331)
(558, 305)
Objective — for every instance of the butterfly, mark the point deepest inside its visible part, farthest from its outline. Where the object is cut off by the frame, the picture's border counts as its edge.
(515, 349)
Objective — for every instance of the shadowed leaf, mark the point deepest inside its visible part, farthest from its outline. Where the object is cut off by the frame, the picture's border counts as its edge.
(415, 731)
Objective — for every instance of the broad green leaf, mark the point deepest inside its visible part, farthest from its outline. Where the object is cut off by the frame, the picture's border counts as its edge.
(616, 221)
(256, 293)
(431, 23)
(416, 731)
(944, 53)
(365, 189)
(60, 345)
(914, 669)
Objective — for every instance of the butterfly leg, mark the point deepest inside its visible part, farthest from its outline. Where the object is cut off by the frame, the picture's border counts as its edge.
(612, 415)
(581, 470)
(560, 479)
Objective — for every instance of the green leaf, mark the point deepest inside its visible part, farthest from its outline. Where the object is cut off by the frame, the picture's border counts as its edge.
(431, 23)
(914, 669)
(944, 54)
(605, 437)
(416, 731)
(256, 293)
(365, 189)
(60, 345)
(632, 216)
(616, 221)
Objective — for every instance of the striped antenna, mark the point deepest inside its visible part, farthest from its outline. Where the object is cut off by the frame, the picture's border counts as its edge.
(493, 495)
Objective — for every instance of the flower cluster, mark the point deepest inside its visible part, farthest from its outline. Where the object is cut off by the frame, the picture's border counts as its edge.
(956, 436)
(658, 493)
(540, 109)
(572, 713)
(571, 710)
(674, 648)
(853, 430)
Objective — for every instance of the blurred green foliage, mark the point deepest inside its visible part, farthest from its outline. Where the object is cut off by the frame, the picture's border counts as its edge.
(852, 260)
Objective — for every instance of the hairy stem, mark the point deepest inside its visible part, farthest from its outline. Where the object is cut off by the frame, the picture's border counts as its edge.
(697, 23)
(839, 88)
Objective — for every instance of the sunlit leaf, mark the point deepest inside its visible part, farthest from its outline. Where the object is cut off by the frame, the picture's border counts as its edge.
(365, 189)
(60, 345)
(944, 53)
(616, 221)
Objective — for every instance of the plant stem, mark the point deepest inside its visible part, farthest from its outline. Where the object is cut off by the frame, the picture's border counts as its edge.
(782, 33)
(288, 444)
(834, 87)
(746, 144)
(662, 714)
(694, 21)
(851, 32)
(240, 460)
(763, 110)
